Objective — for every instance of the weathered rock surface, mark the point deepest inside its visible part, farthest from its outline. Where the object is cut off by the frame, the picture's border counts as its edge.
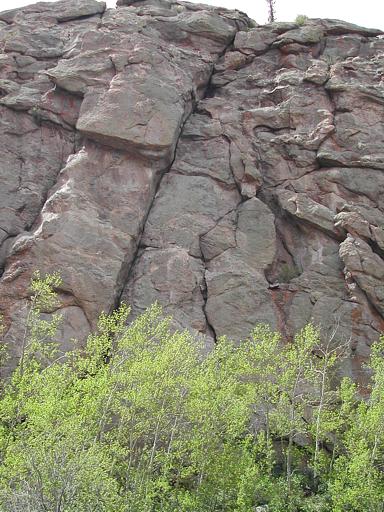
(171, 151)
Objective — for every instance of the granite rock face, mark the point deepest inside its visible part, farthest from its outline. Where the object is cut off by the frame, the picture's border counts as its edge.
(177, 152)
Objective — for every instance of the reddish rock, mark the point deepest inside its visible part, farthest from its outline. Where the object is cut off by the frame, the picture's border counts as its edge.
(176, 152)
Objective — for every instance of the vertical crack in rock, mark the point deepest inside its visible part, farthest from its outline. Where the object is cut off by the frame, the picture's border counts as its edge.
(127, 266)
(210, 328)
(235, 178)
(127, 272)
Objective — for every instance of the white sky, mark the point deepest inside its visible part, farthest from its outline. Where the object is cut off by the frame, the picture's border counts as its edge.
(368, 13)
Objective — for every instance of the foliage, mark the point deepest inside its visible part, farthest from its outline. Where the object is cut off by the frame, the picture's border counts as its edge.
(358, 482)
(301, 19)
(287, 273)
(141, 420)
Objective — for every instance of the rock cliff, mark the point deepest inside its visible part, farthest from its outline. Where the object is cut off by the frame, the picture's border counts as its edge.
(172, 151)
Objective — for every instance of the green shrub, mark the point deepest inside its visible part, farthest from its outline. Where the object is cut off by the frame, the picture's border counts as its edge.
(301, 19)
(287, 273)
(139, 421)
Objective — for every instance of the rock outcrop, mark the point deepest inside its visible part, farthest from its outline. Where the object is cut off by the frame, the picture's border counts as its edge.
(172, 151)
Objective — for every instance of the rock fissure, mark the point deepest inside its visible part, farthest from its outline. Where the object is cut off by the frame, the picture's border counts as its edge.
(210, 331)
(125, 273)
(126, 282)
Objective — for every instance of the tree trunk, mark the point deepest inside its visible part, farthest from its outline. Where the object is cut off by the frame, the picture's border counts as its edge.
(271, 11)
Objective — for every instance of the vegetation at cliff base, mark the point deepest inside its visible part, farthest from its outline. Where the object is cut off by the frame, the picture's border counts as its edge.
(141, 419)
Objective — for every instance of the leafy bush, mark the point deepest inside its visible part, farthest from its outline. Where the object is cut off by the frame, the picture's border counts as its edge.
(287, 273)
(301, 19)
(140, 421)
